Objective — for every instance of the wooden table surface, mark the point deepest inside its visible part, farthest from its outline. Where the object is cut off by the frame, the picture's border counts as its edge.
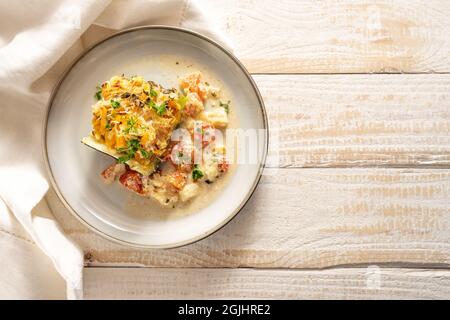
(358, 96)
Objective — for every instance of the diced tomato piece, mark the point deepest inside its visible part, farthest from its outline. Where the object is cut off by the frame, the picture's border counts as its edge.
(132, 180)
(108, 174)
(223, 166)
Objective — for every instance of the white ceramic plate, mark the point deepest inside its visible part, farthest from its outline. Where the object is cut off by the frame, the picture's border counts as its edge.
(74, 169)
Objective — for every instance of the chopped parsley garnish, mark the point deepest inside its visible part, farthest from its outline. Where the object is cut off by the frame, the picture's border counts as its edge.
(98, 93)
(115, 104)
(159, 109)
(124, 158)
(130, 150)
(131, 125)
(226, 105)
(145, 154)
(197, 173)
(153, 92)
(108, 125)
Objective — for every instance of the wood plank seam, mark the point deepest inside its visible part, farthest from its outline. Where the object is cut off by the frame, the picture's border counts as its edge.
(389, 265)
(372, 282)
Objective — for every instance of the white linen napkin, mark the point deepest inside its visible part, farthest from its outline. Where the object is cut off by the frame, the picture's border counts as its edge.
(38, 39)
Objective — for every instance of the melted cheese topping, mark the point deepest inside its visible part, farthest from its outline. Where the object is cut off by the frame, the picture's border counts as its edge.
(134, 119)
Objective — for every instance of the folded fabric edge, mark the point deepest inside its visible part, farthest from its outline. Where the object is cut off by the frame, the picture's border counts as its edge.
(37, 219)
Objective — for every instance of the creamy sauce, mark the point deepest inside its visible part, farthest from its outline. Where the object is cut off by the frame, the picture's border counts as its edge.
(170, 70)
(139, 206)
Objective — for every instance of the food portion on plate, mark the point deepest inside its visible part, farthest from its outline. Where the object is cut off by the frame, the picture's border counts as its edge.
(168, 142)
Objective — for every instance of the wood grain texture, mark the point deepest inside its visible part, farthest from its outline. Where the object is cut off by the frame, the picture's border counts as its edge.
(351, 283)
(328, 36)
(358, 120)
(317, 218)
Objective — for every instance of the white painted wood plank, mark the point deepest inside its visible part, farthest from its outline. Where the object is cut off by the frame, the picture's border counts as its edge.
(310, 36)
(358, 120)
(351, 283)
(316, 218)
